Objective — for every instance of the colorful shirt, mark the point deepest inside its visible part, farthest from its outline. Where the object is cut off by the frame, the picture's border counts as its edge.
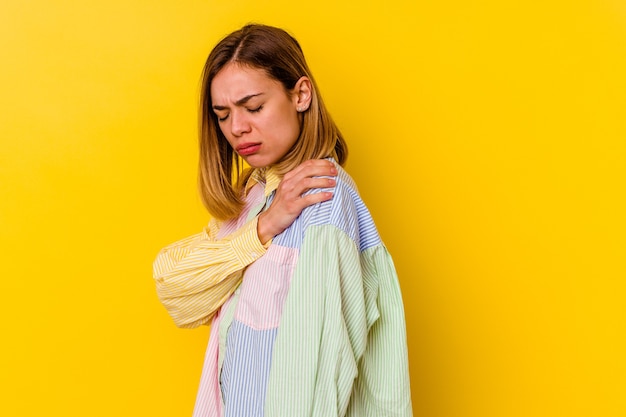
(316, 327)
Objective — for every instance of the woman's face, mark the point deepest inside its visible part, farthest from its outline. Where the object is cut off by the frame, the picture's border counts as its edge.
(256, 115)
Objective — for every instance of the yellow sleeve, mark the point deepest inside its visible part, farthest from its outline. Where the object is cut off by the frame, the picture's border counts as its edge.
(196, 275)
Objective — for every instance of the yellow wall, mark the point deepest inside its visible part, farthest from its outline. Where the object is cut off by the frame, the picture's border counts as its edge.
(488, 138)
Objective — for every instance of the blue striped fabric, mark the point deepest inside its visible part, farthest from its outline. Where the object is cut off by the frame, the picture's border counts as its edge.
(246, 369)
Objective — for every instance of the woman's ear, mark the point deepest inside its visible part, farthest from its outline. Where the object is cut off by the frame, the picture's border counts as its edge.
(302, 94)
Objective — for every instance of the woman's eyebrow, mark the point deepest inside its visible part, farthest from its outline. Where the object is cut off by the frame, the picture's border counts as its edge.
(239, 102)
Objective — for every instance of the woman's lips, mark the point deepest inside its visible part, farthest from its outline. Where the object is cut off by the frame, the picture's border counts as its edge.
(248, 148)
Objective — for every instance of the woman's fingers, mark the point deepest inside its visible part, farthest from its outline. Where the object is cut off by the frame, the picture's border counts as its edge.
(312, 168)
(295, 198)
(314, 198)
(308, 175)
(311, 183)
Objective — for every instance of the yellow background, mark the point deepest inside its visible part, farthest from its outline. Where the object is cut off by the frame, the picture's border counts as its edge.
(487, 137)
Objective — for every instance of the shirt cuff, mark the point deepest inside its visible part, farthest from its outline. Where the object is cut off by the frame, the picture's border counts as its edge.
(246, 244)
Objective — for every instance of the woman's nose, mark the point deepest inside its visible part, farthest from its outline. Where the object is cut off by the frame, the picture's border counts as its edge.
(239, 123)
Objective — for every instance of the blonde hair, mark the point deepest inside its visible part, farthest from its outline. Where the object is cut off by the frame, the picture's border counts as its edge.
(221, 175)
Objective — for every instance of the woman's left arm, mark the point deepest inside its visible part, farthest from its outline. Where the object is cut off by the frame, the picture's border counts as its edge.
(196, 275)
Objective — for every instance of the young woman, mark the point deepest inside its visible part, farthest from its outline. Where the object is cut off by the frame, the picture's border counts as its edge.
(301, 294)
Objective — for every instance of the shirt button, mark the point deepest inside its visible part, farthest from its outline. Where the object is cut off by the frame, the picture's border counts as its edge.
(254, 254)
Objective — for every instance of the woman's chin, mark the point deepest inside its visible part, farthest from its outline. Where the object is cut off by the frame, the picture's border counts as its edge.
(257, 161)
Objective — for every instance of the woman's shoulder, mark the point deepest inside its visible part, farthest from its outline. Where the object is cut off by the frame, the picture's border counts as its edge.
(344, 179)
(346, 211)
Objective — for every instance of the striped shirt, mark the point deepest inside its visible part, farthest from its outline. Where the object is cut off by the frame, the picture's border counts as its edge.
(311, 324)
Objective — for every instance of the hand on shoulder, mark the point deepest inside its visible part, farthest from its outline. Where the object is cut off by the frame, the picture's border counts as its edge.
(289, 200)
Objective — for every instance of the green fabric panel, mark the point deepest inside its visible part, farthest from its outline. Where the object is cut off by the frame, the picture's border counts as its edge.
(341, 345)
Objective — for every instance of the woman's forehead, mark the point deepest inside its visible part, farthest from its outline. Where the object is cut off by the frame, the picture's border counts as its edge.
(235, 82)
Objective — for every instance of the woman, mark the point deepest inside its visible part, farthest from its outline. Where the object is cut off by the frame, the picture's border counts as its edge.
(303, 300)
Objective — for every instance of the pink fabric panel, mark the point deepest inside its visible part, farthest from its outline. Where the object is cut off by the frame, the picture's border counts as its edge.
(209, 398)
(265, 287)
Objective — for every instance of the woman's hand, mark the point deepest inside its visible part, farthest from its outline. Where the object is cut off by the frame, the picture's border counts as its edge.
(289, 200)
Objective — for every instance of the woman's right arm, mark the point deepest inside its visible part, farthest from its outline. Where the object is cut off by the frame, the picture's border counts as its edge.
(196, 275)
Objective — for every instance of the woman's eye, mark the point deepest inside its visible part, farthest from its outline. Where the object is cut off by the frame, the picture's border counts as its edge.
(221, 119)
(255, 110)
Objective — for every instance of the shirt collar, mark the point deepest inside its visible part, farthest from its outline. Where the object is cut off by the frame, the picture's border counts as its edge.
(266, 176)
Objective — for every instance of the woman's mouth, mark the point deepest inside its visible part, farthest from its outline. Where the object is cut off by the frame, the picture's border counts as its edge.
(248, 148)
